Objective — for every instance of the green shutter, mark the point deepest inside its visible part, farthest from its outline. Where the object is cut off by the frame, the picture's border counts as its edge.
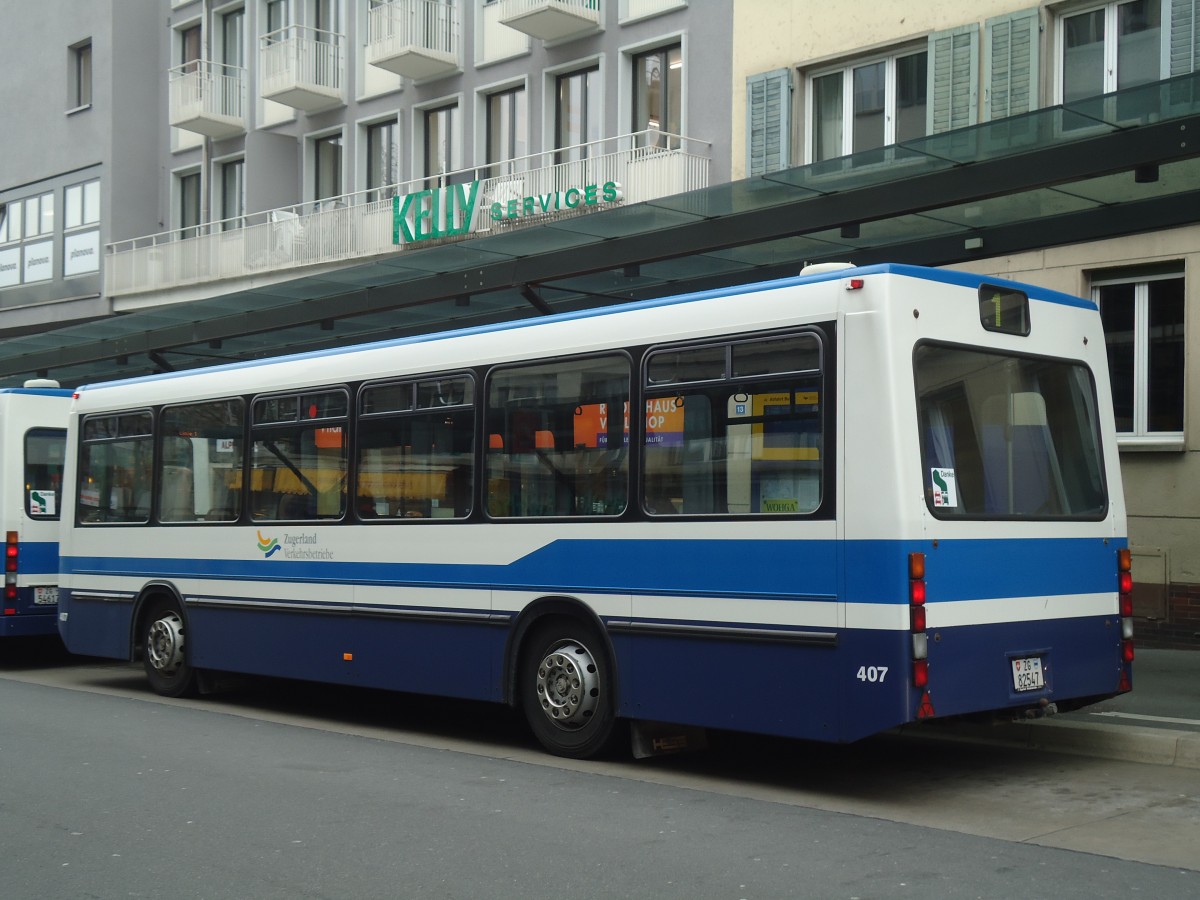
(953, 78)
(1010, 64)
(1185, 36)
(768, 121)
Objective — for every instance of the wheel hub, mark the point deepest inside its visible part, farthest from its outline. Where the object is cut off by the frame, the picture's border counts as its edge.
(164, 644)
(568, 685)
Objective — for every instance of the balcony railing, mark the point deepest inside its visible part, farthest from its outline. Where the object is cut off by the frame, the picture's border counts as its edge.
(551, 20)
(420, 39)
(208, 98)
(572, 181)
(303, 68)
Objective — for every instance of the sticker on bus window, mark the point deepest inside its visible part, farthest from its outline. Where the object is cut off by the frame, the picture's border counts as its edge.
(945, 490)
(41, 503)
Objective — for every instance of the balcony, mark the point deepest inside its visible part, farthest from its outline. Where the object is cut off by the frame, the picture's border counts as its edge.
(208, 98)
(303, 68)
(518, 193)
(419, 39)
(551, 20)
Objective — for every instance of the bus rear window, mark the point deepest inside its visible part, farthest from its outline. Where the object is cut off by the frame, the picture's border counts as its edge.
(44, 452)
(1008, 437)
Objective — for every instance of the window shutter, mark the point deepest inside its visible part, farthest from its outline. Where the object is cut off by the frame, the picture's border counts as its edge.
(1185, 36)
(953, 78)
(1010, 64)
(769, 121)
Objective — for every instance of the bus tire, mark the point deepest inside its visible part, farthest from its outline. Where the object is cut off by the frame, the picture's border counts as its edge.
(566, 688)
(164, 650)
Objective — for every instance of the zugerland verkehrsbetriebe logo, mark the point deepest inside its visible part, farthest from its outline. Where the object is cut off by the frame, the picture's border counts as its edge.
(293, 545)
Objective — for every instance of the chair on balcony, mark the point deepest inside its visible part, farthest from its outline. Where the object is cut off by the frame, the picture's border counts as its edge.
(287, 236)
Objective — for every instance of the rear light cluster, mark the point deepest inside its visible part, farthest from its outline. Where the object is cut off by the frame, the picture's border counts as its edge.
(916, 612)
(920, 639)
(11, 553)
(1125, 599)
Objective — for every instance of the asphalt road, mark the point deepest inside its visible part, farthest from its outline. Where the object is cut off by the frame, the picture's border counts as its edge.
(284, 790)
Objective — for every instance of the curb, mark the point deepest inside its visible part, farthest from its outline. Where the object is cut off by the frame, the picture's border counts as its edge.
(1151, 746)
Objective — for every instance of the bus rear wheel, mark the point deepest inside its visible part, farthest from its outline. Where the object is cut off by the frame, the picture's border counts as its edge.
(566, 689)
(164, 651)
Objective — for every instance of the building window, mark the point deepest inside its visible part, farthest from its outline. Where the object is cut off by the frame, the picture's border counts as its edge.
(233, 195)
(577, 113)
(1143, 330)
(39, 215)
(657, 96)
(442, 153)
(383, 159)
(189, 205)
(869, 105)
(506, 127)
(277, 19)
(1111, 47)
(81, 204)
(327, 152)
(81, 75)
(10, 222)
(233, 42)
(190, 48)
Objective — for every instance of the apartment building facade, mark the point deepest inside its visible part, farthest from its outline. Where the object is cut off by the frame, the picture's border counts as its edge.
(249, 125)
(825, 80)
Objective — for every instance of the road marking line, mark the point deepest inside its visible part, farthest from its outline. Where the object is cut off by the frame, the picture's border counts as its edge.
(1121, 715)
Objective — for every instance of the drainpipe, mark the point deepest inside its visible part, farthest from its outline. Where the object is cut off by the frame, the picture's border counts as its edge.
(206, 144)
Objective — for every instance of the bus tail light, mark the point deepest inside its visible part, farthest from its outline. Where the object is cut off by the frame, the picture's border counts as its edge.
(917, 621)
(11, 559)
(1125, 601)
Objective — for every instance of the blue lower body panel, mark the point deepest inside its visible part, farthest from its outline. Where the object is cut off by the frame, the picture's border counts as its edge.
(29, 619)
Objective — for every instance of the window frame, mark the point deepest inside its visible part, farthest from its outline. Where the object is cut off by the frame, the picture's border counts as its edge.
(363, 418)
(1141, 437)
(1109, 67)
(825, 377)
(59, 434)
(160, 437)
(390, 162)
(489, 410)
(146, 438)
(81, 84)
(846, 69)
(295, 424)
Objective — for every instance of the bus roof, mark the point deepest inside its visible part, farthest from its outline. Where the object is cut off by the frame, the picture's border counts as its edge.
(963, 279)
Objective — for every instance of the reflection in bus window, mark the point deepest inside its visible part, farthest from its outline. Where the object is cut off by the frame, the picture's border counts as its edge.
(746, 441)
(200, 478)
(557, 439)
(298, 457)
(416, 450)
(114, 463)
(45, 450)
(1008, 437)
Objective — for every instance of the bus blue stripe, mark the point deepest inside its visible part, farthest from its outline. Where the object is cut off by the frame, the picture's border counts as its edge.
(875, 571)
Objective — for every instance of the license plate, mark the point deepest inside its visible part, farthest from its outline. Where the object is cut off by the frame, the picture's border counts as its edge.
(45, 596)
(1027, 674)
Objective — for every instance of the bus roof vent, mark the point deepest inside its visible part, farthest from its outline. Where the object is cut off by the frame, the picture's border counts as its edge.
(818, 268)
(41, 383)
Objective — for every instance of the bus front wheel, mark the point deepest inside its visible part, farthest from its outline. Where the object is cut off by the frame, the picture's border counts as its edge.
(567, 689)
(164, 651)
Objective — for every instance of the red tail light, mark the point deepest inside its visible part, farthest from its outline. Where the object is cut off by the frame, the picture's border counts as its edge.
(917, 619)
(1125, 601)
(920, 672)
(11, 560)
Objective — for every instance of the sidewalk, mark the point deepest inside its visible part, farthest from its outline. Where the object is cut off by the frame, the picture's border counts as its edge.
(1157, 722)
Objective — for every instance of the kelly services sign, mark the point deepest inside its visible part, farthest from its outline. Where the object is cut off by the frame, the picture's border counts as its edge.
(450, 211)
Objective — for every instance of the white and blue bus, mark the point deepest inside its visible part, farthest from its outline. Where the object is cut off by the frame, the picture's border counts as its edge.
(33, 438)
(818, 507)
